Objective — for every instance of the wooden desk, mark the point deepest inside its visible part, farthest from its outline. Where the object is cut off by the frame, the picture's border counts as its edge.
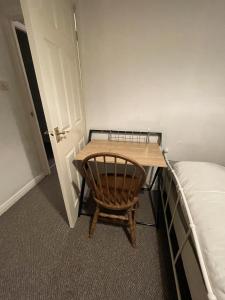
(145, 154)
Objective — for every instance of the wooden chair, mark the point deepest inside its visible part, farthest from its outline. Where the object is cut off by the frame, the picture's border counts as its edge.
(115, 181)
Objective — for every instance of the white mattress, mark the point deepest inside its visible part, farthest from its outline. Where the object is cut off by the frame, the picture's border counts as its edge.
(204, 188)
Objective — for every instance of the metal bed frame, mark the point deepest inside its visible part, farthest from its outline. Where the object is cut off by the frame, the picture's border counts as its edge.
(190, 231)
(131, 136)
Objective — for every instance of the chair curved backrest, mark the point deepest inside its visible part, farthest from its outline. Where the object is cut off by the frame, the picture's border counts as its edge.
(115, 180)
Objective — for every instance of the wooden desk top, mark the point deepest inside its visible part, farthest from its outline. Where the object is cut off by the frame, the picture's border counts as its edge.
(145, 154)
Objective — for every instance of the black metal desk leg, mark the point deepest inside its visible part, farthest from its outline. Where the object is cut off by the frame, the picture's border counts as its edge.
(155, 208)
(154, 178)
(81, 200)
(158, 203)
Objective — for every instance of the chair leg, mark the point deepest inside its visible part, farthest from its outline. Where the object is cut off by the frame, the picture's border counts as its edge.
(132, 225)
(94, 221)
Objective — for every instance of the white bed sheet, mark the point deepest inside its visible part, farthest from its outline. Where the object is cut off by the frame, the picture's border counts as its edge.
(204, 189)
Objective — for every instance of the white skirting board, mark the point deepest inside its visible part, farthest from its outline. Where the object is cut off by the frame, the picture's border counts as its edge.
(12, 200)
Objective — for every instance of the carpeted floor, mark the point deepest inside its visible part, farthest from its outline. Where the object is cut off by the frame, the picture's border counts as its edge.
(42, 258)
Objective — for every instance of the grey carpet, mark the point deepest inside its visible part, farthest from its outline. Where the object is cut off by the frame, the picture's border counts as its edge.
(42, 258)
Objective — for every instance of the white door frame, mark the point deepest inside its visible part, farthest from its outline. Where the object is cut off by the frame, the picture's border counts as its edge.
(30, 104)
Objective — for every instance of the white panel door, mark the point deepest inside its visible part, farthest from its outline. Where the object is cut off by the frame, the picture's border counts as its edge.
(51, 33)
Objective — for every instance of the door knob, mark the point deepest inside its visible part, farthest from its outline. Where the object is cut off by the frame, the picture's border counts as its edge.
(57, 133)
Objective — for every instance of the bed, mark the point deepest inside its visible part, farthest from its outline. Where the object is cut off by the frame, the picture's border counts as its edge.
(193, 200)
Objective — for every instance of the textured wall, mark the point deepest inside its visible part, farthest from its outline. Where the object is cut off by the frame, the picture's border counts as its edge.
(158, 65)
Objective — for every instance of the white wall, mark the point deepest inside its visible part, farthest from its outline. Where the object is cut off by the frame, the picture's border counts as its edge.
(19, 160)
(158, 65)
